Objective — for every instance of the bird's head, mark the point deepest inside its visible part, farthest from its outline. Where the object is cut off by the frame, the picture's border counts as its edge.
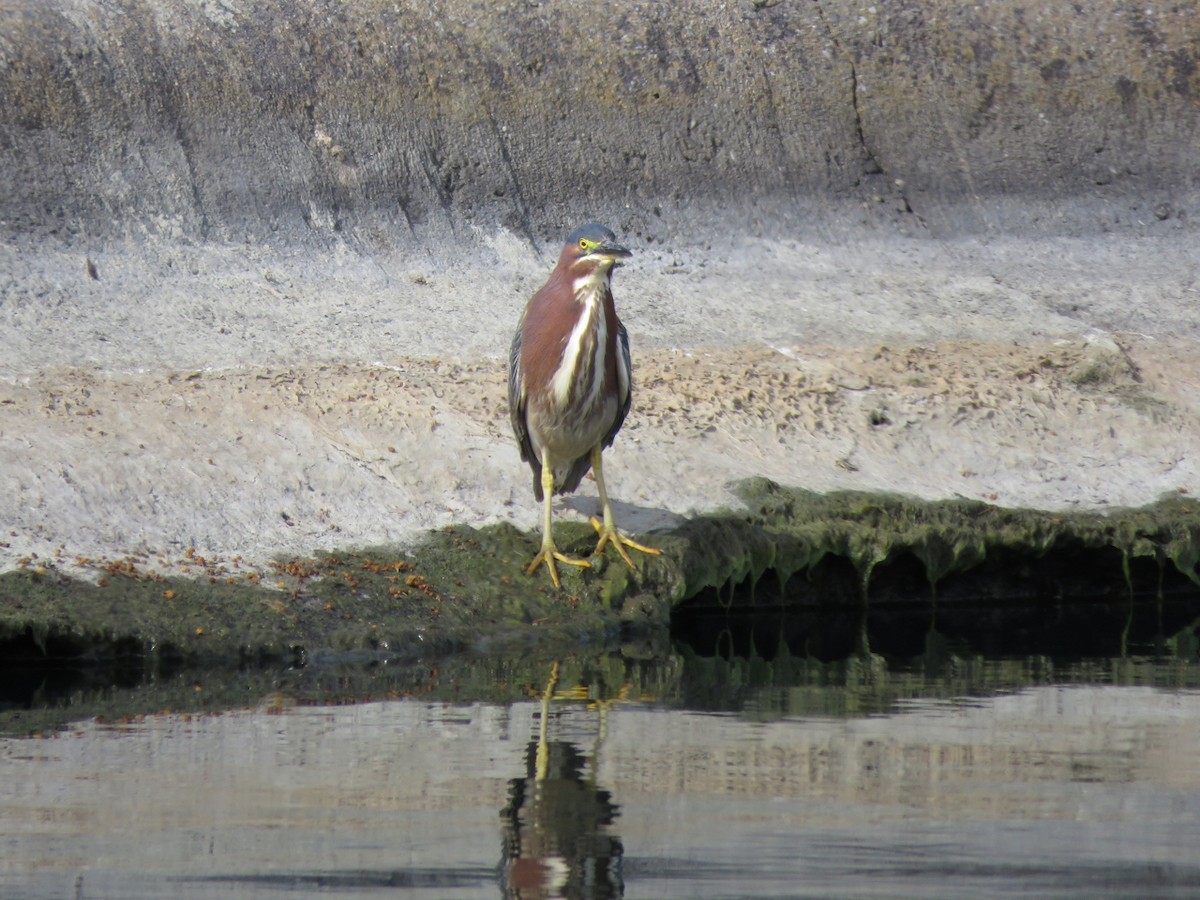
(592, 248)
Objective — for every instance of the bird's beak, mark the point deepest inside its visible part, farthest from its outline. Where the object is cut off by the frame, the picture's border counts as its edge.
(610, 251)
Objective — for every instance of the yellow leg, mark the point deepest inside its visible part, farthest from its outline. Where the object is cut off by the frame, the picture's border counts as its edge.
(543, 746)
(608, 529)
(549, 553)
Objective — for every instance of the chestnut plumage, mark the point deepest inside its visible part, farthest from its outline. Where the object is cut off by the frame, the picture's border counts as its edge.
(569, 382)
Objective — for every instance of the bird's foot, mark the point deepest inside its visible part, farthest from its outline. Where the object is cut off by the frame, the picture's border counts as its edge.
(548, 554)
(610, 535)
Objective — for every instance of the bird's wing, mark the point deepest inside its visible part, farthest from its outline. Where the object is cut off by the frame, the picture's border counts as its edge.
(516, 397)
(624, 383)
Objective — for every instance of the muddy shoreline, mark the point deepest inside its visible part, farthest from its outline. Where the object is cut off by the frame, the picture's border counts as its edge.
(254, 463)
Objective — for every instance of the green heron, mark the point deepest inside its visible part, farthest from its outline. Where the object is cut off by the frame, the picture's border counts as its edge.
(569, 383)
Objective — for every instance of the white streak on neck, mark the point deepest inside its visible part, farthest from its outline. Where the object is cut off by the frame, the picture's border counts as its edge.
(589, 289)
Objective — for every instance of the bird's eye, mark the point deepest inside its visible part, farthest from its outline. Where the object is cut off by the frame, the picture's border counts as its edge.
(584, 243)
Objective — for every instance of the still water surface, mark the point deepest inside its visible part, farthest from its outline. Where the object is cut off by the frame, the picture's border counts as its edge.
(1016, 779)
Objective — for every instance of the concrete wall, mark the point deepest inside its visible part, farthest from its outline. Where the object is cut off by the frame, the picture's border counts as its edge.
(389, 123)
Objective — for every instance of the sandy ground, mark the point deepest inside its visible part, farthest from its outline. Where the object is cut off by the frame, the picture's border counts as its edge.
(250, 401)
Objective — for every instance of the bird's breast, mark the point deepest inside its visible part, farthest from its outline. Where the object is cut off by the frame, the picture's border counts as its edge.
(575, 406)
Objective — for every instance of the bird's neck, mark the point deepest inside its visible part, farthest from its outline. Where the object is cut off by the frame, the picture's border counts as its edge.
(591, 284)
(584, 348)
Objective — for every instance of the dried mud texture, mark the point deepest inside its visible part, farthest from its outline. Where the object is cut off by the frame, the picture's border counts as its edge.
(254, 463)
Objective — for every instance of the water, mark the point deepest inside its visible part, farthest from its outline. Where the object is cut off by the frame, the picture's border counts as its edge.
(679, 777)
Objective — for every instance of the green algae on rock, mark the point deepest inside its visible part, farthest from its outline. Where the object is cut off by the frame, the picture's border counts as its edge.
(460, 588)
(465, 588)
(791, 531)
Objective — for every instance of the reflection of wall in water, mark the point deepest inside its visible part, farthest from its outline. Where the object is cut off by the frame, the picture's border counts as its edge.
(958, 754)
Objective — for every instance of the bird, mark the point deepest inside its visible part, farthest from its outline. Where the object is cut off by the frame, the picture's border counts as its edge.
(570, 385)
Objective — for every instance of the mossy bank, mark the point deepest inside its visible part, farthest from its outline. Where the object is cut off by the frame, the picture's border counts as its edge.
(465, 588)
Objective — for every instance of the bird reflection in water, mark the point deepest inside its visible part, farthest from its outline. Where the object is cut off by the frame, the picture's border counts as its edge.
(557, 842)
